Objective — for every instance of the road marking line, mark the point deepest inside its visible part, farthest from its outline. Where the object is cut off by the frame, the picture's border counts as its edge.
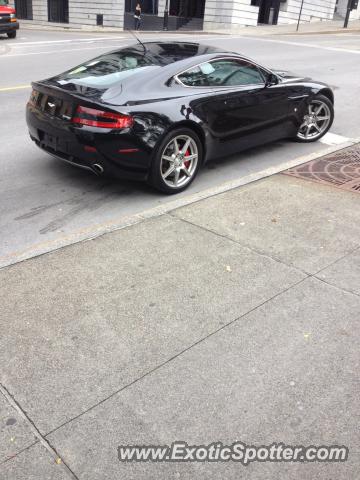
(56, 51)
(94, 231)
(84, 48)
(333, 139)
(9, 89)
(49, 42)
(299, 44)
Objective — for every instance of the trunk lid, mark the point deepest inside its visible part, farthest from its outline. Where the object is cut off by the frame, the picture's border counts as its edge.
(59, 103)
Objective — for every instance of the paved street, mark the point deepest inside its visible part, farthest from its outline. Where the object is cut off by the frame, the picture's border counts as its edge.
(47, 204)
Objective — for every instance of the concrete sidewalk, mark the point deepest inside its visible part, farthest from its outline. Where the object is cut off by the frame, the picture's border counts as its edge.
(234, 318)
(306, 28)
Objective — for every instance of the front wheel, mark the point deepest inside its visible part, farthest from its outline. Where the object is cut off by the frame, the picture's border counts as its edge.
(176, 161)
(317, 120)
(12, 34)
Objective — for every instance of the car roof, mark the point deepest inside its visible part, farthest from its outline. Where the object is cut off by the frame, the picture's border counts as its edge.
(172, 55)
(163, 60)
(170, 51)
(168, 59)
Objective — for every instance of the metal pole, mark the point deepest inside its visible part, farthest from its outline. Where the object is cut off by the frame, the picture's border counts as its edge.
(348, 10)
(298, 23)
(166, 16)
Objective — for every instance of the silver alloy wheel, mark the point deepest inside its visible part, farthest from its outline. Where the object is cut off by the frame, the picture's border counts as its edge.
(179, 161)
(315, 121)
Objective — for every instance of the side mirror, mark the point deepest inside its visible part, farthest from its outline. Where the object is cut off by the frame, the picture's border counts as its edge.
(272, 79)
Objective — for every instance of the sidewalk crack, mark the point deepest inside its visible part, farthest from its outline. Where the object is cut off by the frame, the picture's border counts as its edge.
(177, 355)
(315, 275)
(308, 275)
(226, 237)
(37, 434)
(19, 453)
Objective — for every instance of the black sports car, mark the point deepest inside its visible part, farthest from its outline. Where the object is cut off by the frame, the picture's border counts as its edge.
(157, 111)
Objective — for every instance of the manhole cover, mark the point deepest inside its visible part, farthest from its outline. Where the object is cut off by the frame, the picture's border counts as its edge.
(340, 169)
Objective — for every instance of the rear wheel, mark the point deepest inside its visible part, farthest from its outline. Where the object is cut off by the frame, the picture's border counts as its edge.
(317, 120)
(12, 34)
(177, 161)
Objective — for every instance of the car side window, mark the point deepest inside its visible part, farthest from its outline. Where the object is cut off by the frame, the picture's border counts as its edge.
(222, 73)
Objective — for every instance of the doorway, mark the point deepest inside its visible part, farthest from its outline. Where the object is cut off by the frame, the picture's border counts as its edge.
(24, 9)
(268, 12)
(58, 11)
(187, 8)
(148, 7)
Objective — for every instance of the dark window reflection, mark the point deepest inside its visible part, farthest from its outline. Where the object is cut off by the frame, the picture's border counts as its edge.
(223, 73)
(147, 6)
(112, 68)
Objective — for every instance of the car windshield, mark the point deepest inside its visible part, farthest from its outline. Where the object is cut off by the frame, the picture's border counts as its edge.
(3, 3)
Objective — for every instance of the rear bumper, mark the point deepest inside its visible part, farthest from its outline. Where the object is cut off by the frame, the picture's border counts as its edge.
(9, 27)
(119, 154)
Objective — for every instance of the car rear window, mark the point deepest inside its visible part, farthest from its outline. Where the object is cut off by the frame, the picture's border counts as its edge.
(105, 71)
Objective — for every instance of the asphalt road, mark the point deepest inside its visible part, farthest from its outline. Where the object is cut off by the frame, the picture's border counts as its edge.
(44, 202)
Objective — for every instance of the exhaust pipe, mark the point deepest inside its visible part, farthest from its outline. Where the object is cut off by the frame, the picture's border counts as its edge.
(98, 169)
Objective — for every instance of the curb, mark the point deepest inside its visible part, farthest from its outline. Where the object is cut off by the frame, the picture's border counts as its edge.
(91, 233)
(323, 32)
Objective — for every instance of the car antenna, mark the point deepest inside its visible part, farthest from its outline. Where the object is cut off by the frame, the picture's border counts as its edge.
(138, 39)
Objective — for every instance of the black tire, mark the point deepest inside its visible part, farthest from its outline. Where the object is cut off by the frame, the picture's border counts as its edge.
(159, 165)
(316, 135)
(12, 34)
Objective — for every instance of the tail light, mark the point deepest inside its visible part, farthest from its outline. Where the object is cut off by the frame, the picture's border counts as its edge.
(97, 118)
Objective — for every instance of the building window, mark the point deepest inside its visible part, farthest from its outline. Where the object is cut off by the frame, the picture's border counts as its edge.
(187, 8)
(58, 11)
(23, 9)
(147, 6)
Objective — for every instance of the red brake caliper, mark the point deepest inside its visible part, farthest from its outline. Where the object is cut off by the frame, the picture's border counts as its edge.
(187, 162)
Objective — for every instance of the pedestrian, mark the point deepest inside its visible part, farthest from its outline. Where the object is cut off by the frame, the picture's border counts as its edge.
(137, 16)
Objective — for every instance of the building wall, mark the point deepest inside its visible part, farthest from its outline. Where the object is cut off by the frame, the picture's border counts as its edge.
(83, 12)
(40, 10)
(218, 13)
(229, 14)
(313, 10)
(342, 7)
(161, 7)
